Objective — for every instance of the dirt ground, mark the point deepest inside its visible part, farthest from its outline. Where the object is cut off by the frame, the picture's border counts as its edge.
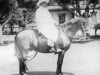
(80, 59)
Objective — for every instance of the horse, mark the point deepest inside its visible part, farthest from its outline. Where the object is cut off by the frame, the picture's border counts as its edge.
(32, 40)
(96, 27)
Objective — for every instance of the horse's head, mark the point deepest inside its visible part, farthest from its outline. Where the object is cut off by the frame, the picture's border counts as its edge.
(74, 25)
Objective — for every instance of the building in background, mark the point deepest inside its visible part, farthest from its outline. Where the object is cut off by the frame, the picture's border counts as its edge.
(59, 14)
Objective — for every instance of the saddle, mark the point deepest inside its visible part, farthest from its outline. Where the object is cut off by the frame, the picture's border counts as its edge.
(50, 43)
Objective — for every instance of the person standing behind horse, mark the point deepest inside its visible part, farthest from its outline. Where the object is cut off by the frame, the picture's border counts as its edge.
(45, 23)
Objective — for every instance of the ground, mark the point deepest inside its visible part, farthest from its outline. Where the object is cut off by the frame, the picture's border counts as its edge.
(80, 59)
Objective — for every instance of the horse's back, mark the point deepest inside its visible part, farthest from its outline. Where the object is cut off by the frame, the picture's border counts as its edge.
(25, 33)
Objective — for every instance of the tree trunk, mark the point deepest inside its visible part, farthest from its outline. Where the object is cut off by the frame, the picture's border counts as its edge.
(11, 27)
(1, 40)
(78, 7)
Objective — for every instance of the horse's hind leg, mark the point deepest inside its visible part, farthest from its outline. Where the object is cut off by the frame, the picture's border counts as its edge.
(22, 64)
(22, 67)
(60, 62)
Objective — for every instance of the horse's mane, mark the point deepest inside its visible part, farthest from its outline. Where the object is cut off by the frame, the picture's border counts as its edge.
(73, 21)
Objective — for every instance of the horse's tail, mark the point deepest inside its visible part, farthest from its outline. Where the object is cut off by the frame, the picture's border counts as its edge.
(17, 50)
(18, 54)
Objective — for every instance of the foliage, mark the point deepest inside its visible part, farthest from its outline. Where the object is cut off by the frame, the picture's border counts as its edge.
(27, 4)
(4, 10)
(20, 11)
(76, 4)
(93, 2)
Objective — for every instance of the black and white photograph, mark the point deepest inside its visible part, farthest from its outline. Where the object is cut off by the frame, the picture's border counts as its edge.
(49, 37)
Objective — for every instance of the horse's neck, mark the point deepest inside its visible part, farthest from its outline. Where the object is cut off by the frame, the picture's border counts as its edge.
(73, 30)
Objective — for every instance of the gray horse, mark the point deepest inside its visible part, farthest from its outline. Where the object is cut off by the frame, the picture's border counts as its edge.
(31, 40)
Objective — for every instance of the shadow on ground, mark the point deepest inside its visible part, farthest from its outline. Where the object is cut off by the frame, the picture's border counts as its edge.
(45, 73)
(89, 39)
(97, 37)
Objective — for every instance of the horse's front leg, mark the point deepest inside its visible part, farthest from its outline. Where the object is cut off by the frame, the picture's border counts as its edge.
(60, 62)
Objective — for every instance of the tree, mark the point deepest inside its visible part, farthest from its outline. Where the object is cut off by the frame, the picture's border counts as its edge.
(76, 4)
(14, 13)
(93, 2)
(4, 9)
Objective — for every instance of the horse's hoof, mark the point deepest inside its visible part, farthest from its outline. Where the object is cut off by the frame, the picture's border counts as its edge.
(60, 74)
(63, 74)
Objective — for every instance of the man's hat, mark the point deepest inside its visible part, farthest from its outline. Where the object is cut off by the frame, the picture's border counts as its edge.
(40, 1)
